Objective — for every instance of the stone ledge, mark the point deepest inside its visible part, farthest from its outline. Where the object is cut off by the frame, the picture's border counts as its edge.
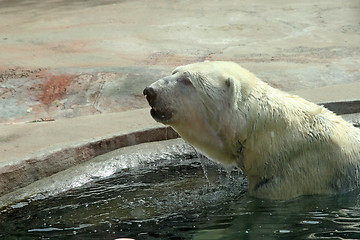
(31, 151)
(29, 170)
(343, 107)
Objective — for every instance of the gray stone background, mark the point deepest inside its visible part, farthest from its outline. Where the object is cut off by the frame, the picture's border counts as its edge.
(61, 59)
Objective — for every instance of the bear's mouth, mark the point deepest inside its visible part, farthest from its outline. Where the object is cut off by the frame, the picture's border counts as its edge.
(162, 116)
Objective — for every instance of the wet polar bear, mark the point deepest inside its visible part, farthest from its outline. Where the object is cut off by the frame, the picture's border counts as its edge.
(285, 145)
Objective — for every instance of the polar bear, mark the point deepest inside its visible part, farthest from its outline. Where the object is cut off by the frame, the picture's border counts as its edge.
(285, 145)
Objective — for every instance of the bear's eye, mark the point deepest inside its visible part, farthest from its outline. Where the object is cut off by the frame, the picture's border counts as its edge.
(186, 81)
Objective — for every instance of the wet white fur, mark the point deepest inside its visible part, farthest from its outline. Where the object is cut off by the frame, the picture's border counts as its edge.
(285, 145)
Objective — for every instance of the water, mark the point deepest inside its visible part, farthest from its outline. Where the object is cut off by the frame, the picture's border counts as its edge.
(171, 198)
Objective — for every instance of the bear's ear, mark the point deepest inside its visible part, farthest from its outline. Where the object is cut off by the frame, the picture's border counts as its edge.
(234, 90)
(228, 82)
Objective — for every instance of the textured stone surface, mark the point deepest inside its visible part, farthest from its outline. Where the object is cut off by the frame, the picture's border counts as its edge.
(64, 59)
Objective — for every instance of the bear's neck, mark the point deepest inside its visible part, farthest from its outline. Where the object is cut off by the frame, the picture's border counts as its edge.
(212, 141)
(208, 142)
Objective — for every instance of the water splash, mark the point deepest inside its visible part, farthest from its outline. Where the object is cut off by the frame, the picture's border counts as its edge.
(98, 168)
(202, 162)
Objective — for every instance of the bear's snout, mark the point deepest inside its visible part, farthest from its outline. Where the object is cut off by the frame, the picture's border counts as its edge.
(150, 94)
(159, 111)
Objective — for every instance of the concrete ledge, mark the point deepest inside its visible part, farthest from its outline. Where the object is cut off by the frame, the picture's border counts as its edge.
(335, 93)
(341, 99)
(343, 107)
(51, 153)
(14, 176)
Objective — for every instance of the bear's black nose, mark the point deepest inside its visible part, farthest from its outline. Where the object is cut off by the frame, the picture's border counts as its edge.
(150, 94)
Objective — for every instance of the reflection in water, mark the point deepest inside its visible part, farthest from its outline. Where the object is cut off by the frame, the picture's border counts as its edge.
(172, 199)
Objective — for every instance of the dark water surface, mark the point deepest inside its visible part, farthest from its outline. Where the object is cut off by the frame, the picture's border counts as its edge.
(180, 197)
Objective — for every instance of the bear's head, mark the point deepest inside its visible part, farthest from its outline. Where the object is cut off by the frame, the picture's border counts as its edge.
(201, 102)
(208, 88)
